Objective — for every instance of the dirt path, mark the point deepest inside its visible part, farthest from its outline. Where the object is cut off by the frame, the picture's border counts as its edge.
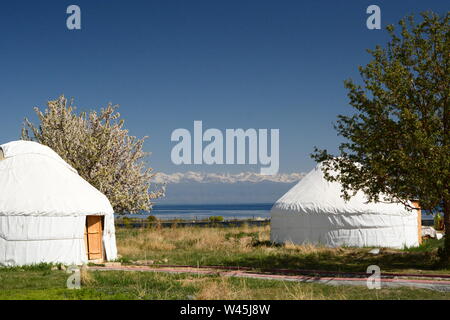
(433, 282)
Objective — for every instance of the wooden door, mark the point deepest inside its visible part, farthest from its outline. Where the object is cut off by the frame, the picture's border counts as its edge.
(419, 219)
(94, 243)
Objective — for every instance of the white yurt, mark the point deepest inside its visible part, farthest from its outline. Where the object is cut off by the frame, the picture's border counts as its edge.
(314, 212)
(48, 213)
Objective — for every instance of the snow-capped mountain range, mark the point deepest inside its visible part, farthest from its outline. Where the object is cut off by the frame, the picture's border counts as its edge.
(202, 177)
(223, 188)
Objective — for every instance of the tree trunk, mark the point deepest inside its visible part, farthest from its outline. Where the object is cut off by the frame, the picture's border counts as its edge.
(446, 253)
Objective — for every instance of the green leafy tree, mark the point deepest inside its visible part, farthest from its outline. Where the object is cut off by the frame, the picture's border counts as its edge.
(102, 152)
(397, 142)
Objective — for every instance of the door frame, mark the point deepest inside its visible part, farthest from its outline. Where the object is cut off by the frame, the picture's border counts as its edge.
(95, 224)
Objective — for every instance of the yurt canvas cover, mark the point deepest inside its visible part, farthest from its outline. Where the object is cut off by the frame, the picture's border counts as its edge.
(43, 208)
(313, 211)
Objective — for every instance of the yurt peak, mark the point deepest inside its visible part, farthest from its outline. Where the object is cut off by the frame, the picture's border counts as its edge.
(23, 147)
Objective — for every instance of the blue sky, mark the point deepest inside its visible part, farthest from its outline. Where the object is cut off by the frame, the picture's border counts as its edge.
(231, 64)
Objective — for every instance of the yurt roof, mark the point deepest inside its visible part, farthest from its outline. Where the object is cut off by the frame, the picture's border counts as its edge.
(35, 180)
(315, 195)
(21, 147)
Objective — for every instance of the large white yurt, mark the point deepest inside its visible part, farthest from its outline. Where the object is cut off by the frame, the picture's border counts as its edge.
(48, 213)
(314, 212)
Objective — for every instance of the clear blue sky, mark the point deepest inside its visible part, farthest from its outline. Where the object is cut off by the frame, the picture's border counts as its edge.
(232, 64)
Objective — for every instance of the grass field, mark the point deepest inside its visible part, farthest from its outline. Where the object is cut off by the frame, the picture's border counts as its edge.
(244, 246)
(250, 247)
(43, 283)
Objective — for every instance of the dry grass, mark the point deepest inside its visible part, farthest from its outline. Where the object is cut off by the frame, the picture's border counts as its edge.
(309, 248)
(226, 288)
(138, 243)
(301, 292)
(250, 246)
(220, 289)
(221, 239)
(86, 278)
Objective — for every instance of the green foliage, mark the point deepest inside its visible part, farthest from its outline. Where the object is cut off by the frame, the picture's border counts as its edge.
(237, 236)
(43, 266)
(215, 218)
(428, 245)
(398, 139)
(152, 219)
(438, 221)
(102, 152)
(128, 222)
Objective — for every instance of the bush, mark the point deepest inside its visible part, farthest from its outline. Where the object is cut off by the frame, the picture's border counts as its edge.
(127, 222)
(215, 219)
(439, 221)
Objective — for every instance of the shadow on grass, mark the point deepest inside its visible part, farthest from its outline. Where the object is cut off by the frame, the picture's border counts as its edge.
(266, 243)
(340, 259)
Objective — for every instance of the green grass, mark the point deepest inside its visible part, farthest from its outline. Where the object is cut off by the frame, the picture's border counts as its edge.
(249, 247)
(46, 284)
(429, 245)
(242, 246)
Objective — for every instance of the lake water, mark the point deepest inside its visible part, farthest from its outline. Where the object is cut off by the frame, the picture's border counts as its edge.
(228, 211)
(203, 211)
